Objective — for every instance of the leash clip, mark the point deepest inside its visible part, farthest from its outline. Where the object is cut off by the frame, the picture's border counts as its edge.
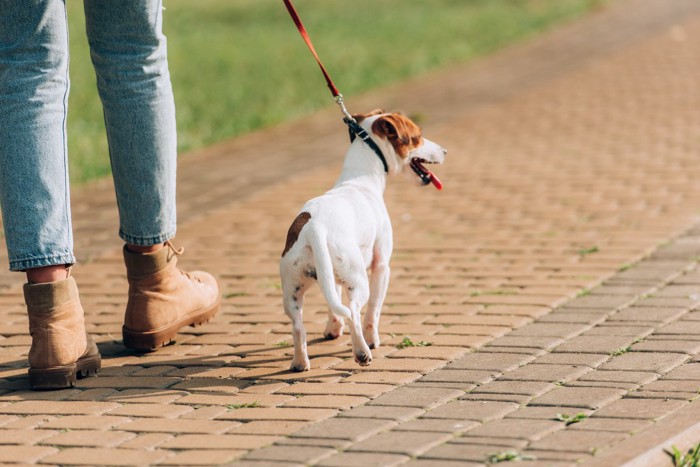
(339, 100)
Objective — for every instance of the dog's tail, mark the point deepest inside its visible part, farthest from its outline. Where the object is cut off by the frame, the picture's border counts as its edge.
(325, 275)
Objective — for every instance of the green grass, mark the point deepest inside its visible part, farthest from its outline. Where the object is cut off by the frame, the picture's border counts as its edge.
(509, 455)
(239, 65)
(570, 419)
(689, 459)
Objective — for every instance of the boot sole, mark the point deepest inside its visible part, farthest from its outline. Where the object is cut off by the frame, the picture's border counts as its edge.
(151, 340)
(64, 376)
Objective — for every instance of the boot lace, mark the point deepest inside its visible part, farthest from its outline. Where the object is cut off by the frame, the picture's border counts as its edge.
(179, 252)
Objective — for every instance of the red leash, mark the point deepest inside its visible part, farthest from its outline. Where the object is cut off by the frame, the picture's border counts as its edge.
(355, 129)
(305, 35)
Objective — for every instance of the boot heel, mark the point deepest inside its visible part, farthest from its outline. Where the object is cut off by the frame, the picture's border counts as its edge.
(62, 377)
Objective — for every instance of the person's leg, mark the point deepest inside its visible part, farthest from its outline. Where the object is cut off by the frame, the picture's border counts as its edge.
(34, 191)
(129, 54)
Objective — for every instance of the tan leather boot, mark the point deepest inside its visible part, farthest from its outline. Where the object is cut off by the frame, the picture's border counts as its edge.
(163, 298)
(61, 350)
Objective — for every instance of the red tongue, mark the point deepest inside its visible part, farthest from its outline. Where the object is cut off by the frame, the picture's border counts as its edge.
(426, 174)
(435, 181)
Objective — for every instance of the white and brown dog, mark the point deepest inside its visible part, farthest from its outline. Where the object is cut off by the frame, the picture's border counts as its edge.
(340, 236)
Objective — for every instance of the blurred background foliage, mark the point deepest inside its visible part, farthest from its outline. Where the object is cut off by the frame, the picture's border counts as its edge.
(240, 65)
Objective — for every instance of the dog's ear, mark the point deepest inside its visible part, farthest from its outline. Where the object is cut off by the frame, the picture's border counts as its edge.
(401, 132)
(359, 117)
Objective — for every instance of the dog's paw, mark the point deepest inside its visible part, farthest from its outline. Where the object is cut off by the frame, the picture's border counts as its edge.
(363, 359)
(301, 366)
(372, 338)
(334, 329)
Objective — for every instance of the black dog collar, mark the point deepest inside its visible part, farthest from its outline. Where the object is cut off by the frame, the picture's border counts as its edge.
(356, 130)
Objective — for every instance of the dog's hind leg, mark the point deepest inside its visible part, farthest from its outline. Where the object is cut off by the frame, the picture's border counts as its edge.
(378, 285)
(358, 294)
(335, 324)
(293, 301)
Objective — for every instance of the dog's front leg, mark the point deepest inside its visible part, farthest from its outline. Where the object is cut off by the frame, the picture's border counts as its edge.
(378, 285)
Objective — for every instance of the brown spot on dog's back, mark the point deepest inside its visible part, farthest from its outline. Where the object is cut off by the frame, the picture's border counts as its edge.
(294, 229)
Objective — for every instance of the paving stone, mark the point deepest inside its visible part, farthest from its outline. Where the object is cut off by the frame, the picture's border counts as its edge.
(203, 457)
(462, 378)
(496, 397)
(623, 425)
(499, 362)
(262, 400)
(636, 377)
(525, 388)
(338, 444)
(529, 429)
(638, 331)
(344, 459)
(148, 441)
(689, 347)
(89, 438)
(440, 463)
(16, 436)
(25, 454)
(219, 441)
(269, 427)
(608, 302)
(333, 402)
(437, 425)
(352, 429)
(90, 456)
(409, 443)
(302, 454)
(355, 389)
(472, 410)
(416, 397)
(595, 344)
(577, 440)
(546, 373)
(640, 408)
(463, 452)
(85, 422)
(584, 398)
(559, 330)
(150, 411)
(512, 342)
(588, 360)
(158, 425)
(645, 361)
(58, 408)
(649, 314)
(278, 413)
(397, 364)
(383, 412)
(386, 377)
(667, 385)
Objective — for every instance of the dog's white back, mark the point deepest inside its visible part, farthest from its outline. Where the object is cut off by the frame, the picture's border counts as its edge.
(341, 235)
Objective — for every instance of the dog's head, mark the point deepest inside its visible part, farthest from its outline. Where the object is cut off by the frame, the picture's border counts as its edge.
(403, 144)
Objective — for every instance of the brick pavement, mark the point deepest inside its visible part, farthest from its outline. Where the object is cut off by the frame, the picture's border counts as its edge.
(572, 158)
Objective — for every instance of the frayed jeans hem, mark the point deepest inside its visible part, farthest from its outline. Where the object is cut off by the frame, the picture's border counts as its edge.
(32, 263)
(146, 241)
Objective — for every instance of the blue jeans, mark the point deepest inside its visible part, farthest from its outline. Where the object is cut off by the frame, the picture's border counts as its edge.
(129, 56)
